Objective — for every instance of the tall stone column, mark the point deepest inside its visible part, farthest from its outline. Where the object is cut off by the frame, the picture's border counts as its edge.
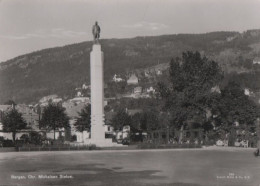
(97, 94)
(97, 100)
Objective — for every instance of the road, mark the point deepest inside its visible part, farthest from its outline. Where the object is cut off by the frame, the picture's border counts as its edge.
(183, 167)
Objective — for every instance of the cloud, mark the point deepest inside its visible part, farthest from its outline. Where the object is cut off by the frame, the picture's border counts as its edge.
(13, 37)
(146, 25)
(60, 33)
(53, 33)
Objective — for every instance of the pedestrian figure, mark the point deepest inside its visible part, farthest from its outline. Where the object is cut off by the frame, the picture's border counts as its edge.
(258, 137)
(256, 153)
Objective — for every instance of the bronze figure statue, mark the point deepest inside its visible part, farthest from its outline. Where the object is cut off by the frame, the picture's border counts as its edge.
(96, 32)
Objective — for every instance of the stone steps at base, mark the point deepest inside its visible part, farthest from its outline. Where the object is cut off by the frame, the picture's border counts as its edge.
(124, 147)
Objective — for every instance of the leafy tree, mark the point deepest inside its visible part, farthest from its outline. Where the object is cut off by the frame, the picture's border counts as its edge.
(10, 102)
(149, 120)
(13, 122)
(33, 138)
(25, 138)
(83, 123)
(54, 118)
(73, 138)
(136, 122)
(188, 94)
(36, 138)
(234, 106)
(121, 119)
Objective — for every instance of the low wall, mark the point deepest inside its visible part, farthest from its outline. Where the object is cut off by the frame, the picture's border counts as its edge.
(57, 148)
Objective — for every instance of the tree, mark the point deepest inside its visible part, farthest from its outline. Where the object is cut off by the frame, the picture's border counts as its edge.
(13, 122)
(191, 79)
(10, 102)
(232, 109)
(83, 123)
(25, 138)
(136, 123)
(36, 138)
(33, 138)
(232, 106)
(54, 118)
(121, 119)
(149, 120)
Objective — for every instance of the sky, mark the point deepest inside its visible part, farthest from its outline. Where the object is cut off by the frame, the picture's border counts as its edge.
(31, 25)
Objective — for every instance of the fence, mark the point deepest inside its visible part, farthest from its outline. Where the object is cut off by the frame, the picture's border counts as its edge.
(7, 149)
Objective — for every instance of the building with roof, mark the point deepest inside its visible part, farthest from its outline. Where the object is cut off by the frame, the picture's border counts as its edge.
(133, 80)
(48, 98)
(123, 134)
(29, 115)
(150, 90)
(117, 79)
(132, 112)
(138, 90)
(256, 61)
(78, 100)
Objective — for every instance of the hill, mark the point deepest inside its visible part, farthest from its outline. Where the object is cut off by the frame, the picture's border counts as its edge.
(27, 78)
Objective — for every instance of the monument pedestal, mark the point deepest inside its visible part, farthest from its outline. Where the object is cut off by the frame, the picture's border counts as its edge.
(102, 143)
(97, 100)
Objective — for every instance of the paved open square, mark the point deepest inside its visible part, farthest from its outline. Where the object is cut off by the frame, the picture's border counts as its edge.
(223, 166)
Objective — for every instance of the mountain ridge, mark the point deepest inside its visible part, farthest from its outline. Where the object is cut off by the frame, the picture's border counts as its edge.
(59, 70)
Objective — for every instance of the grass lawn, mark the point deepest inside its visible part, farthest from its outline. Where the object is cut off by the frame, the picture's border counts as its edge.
(223, 166)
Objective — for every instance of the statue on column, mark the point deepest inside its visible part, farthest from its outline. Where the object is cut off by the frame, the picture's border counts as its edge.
(96, 32)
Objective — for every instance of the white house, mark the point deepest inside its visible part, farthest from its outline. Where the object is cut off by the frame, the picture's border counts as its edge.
(84, 86)
(150, 90)
(80, 100)
(147, 74)
(159, 72)
(216, 89)
(120, 135)
(256, 61)
(81, 136)
(137, 90)
(132, 80)
(48, 98)
(117, 79)
(8, 135)
(59, 133)
(247, 92)
(79, 94)
(57, 100)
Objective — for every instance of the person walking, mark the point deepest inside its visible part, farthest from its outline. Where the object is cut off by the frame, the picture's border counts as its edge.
(258, 137)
